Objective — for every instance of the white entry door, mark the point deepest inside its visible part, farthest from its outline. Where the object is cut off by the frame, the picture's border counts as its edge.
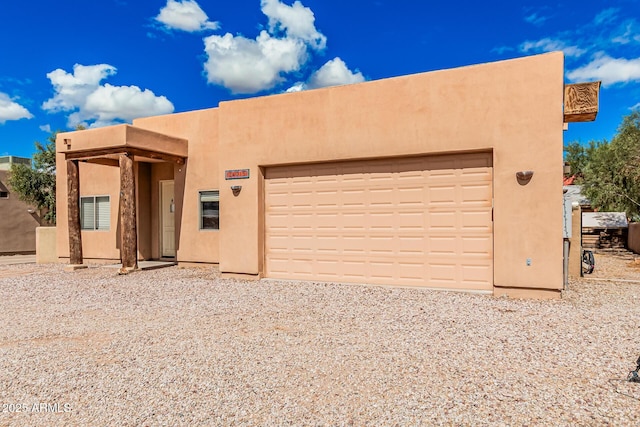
(167, 219)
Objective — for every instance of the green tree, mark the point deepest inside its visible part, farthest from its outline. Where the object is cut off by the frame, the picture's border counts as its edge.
(576, 155)
(36, 184)
(612, 171)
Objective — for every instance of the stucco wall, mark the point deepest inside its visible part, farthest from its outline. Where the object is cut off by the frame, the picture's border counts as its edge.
(200, 129)
(17, 226)
(634, 237)
(513, 108)
(199, 173)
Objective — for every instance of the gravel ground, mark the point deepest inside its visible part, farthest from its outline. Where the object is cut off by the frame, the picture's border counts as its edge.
(623, 265)
(181, 346)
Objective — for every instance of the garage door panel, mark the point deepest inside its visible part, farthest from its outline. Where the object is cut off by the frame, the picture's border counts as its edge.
(384, 270)
(475, 220)
(479, 245)
(410, 221)
(412, 272)
(420, 221)
(326, 270)
(278, 221)
(442, 195)
(442, 272)
(443, 220)
(381, 244)
(408, 197)
(411, 245)
(442, 245)
(477, 276)
(353, 245)
(299, 221)
(327, 244)
(476, 194)
(354, 220)
(327, 182)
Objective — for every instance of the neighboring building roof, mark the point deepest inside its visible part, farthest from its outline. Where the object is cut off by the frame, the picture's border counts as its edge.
(604, 220)
(574, 193)
(568, 180)
(6, 161)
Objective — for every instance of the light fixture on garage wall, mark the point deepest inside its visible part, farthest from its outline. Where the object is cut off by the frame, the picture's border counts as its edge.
(235, 189)
(524, 177)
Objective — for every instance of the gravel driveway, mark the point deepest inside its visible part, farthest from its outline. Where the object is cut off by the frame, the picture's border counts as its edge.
(184, 347)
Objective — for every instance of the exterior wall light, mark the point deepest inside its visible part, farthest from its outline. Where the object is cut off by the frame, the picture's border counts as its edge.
(524, 177)
(236, 189)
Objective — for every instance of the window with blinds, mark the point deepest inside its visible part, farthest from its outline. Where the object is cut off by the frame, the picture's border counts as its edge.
(210, 210)
(95, 213)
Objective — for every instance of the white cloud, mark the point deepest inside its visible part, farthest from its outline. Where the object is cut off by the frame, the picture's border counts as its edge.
(535, 19)
(635, 107)
(629, 32)
(297, 87)
(245, 65)
(550, 45)
(297, 21)
(108, 104)
(93, 105)
(46, 128)
(610, 70)
(185, 15)
(611, 30)
(249, 66)
(11, 110)
(606, 16)
(333, 73)
(72, 89)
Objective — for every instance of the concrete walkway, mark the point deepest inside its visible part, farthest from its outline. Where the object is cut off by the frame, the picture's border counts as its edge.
(17, 259)
(146, 265)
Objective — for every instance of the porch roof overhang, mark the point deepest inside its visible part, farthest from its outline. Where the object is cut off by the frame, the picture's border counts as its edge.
(104, 145)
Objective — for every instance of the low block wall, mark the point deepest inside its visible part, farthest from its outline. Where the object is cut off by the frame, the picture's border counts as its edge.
(46, 245)
(633, 242)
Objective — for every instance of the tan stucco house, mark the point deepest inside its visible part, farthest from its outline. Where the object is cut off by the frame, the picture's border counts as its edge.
(18, 220)
(445, 179)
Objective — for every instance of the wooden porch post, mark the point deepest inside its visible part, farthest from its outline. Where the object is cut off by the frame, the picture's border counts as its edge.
(73, 205)
(128, 230)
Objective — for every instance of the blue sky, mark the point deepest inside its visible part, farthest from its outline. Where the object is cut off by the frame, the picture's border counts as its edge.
(66, 62)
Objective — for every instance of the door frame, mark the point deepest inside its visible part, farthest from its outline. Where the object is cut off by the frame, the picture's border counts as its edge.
(161, 184)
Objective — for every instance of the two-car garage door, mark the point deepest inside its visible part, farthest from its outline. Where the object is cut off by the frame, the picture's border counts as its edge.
(422, 221)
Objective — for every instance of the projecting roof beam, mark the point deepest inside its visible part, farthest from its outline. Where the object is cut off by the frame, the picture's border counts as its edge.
(581, 102)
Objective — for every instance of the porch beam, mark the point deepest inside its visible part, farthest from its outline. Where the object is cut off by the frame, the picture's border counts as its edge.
(128, 229)
(103, 152)
(73, 206)
(104, 161)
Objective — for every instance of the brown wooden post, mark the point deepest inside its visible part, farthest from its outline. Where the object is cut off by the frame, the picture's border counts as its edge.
(73, 204)
(128, 230)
